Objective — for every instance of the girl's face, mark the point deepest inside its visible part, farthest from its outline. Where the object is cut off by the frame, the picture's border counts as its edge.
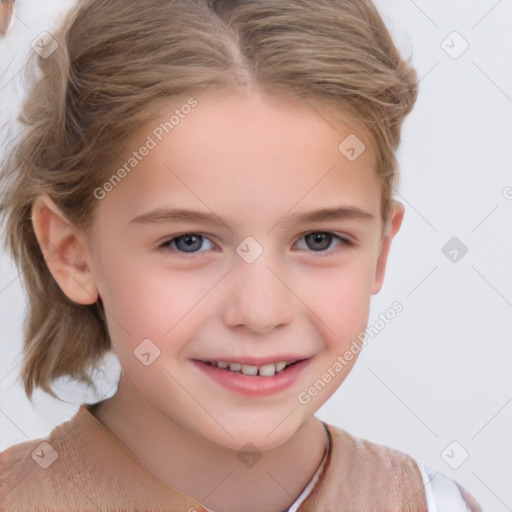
(241, 234)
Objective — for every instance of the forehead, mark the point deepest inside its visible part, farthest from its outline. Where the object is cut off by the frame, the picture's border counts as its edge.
(243, 152)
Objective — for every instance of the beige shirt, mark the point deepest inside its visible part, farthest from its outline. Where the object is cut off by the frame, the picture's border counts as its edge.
(82, 466)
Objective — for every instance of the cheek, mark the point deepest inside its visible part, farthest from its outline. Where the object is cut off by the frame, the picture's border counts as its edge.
(149, 300)
(343, 294)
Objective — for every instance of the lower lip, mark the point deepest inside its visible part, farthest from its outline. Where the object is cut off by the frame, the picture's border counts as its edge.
(253, 385)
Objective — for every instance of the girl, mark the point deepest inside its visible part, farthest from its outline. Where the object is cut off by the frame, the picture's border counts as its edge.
(182, 168)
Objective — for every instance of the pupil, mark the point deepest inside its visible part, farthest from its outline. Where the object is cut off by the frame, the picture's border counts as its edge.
(324, 239)
(190, 243)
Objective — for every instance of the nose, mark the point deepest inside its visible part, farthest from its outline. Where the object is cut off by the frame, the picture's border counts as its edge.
(258, 298)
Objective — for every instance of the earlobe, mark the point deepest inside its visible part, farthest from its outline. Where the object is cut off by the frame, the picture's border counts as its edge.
(392, 228)
(65, 251)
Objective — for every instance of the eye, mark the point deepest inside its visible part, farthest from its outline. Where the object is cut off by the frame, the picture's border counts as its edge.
(320, 241)
(187, 243)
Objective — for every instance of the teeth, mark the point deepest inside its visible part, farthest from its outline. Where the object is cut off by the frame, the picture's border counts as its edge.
(249, 369)
(266, 370)
(280, 366)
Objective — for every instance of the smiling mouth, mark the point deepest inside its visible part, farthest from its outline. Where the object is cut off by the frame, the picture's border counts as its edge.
(266, 370)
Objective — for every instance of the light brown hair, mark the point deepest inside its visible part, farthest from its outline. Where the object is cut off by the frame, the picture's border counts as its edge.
(116, 63)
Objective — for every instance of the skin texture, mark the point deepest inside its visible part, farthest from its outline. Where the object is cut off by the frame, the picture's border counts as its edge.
(249, 160)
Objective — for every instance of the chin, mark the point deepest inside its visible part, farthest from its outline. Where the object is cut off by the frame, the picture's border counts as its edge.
(265, 434)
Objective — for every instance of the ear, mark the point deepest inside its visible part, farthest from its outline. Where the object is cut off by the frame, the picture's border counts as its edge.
(65, 250)
(390, 230)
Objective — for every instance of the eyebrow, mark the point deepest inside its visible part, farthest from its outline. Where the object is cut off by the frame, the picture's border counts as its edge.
(166, 215)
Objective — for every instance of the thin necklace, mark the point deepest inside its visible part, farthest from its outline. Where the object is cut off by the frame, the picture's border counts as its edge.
(311, 484)
(309, 487)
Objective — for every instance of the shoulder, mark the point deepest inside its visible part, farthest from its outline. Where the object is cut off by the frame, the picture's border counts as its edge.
(444, 494)
(376, 476)
(362, 475)
(34, 468)
(369, 457)
(13, 466)
(80, 466)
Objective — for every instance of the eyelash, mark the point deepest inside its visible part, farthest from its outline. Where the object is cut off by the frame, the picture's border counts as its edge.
(343, 240)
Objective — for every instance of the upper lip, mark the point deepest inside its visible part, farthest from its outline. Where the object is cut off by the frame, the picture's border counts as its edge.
(258, 361)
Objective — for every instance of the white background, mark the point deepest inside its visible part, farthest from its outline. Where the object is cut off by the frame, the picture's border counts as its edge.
(440, 371)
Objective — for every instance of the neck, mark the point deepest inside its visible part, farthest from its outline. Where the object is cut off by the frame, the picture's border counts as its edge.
(207, 472)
